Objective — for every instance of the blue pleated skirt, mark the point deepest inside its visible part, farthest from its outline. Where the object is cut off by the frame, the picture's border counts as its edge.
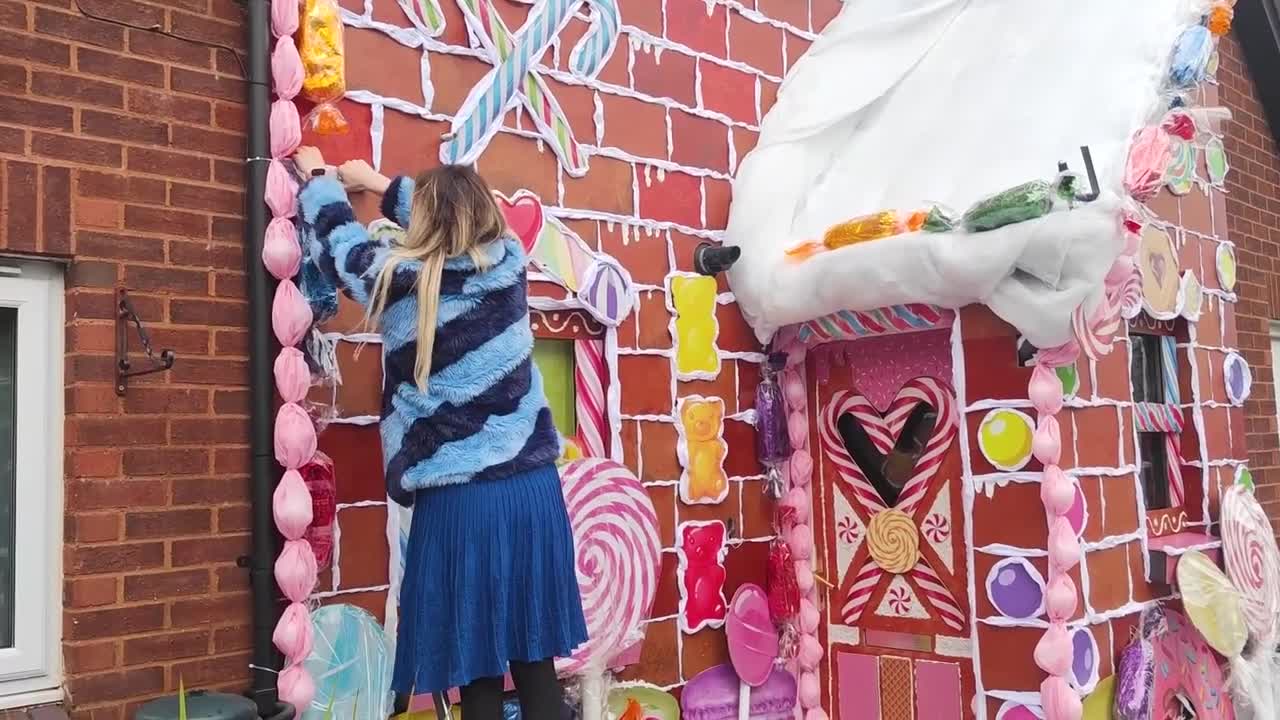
(489, 578)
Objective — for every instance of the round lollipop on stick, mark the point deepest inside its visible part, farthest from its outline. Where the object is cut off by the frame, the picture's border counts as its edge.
(753, 642)
(615, 535)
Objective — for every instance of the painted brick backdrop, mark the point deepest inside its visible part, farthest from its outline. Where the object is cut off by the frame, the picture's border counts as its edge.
(664, 124)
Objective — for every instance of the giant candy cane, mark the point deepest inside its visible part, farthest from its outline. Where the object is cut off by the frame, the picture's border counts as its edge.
(481, 114)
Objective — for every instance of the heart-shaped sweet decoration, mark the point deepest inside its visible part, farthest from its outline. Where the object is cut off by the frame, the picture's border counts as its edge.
(524, 217)
(1161, 283)
(889, 460)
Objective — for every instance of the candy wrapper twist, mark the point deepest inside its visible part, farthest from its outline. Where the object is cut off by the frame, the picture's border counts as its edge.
(325, 82)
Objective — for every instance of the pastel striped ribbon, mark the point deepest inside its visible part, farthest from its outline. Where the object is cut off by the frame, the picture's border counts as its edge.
(882, 321)
(884, 432)
(589, 383)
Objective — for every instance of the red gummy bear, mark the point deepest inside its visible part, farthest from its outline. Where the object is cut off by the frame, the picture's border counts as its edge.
(702, 551)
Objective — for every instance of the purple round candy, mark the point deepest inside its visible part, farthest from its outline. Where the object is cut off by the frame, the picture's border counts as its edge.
(1239, 378)
(1016, 588)
(1084, 658)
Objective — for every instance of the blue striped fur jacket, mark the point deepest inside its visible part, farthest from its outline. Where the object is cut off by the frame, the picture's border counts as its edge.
(484, 415)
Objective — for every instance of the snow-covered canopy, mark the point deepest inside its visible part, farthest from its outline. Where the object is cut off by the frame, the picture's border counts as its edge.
(904, 103)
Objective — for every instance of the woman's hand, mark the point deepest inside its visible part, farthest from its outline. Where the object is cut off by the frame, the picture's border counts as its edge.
(308, 159)
(359, 175)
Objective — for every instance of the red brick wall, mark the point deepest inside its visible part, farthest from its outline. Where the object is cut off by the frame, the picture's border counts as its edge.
(1253, 208)
(121, 151)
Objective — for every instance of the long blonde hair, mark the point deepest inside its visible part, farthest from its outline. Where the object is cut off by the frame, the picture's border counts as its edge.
(453, 214)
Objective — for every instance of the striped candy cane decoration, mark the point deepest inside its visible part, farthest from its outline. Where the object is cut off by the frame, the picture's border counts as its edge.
(1173, 456)
(479, 117)
(1158, 417)
(938, 595)
(593, 51)
(425, 15)
(1169, 355)
(589, 382)
(487, 24)
(884, 433)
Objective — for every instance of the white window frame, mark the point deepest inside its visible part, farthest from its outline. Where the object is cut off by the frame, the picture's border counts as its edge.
(31, 670)
(1275, 362)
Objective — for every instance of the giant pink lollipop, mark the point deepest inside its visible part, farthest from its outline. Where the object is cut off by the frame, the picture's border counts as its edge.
(615, 535)
(753, 642)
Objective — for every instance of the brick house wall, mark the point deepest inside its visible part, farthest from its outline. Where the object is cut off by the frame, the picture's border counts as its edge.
(1253, 207)
(121, 153)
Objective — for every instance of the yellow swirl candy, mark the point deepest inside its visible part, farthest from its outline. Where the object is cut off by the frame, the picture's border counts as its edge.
(894, 541)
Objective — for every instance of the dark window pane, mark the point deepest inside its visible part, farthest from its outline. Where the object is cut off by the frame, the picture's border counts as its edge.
(1155, 469)
(1145, 368)
(8, 470)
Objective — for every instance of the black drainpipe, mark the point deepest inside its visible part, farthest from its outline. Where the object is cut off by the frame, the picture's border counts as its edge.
(263, 472)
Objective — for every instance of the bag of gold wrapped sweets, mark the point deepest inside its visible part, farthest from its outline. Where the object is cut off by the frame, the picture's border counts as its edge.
(325, 81)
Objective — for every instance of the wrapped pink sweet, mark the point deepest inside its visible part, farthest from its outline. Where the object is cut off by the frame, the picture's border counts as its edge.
(1148, 158)
(293, 377)
(281, 193)
(286, 70)
(1060, 702)
(1064, 546)
(293, 636)
(280, 250)
(1046, 442)
(296, 571)
(1045, 390)
(284, 19)
(290, 314)
(1053, 651)
(286, 128)
(296, 686)
(295, 436)
(291, 505)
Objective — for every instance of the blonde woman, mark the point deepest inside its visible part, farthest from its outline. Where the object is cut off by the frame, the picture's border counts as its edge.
(467, 437)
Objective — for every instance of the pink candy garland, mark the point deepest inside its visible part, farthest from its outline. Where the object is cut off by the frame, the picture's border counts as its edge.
(1053, 653)
(295, 435)
(800, 538)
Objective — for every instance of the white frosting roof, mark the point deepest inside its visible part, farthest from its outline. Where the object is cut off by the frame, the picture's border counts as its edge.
(904, 103)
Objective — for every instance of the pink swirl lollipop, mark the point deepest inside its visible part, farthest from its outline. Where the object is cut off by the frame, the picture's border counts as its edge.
(615, 532)
(1253, 562)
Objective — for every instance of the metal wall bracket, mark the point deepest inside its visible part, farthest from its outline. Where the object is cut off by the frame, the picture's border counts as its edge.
(125, 314)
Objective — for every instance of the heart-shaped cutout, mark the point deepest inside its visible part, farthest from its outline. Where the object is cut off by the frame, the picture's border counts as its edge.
(524, 217)
(888, 472)
(889, 459)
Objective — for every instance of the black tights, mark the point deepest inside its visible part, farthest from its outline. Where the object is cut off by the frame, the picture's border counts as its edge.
(536, 684)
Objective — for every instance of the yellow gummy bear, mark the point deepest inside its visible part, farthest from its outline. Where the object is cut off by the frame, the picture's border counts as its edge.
(694, 300)
(705, 480)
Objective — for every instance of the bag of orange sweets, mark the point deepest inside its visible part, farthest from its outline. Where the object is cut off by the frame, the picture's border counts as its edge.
(325, 81)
